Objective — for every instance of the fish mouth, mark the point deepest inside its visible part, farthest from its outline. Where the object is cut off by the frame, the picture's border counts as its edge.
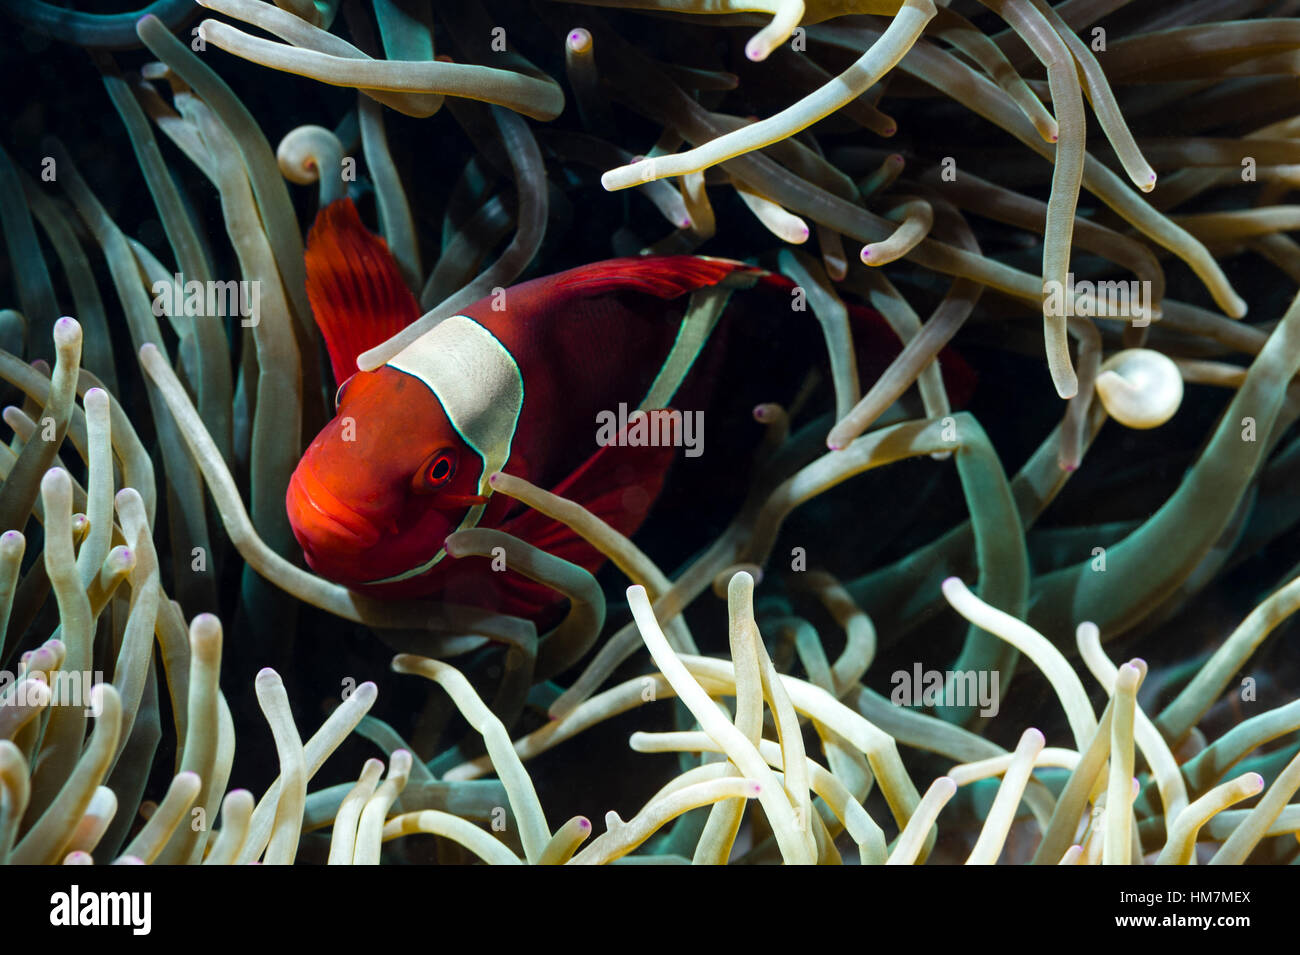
(319, 519)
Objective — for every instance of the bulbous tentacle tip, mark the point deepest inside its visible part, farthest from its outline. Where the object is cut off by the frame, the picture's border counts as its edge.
(579, 40)
(1140, 387)
(67, 331)
(205, 625)
(56, 479)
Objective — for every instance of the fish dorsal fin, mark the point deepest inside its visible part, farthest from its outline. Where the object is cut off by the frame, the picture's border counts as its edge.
(664, 276)
(355, 287)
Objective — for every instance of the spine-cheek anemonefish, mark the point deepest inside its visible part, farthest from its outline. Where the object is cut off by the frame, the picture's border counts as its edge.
(514, 383)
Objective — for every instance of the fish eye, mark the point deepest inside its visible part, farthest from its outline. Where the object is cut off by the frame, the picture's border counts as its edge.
(438, 469)
(441, 470)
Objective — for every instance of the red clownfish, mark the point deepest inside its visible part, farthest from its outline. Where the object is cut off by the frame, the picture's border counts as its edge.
(517, 383)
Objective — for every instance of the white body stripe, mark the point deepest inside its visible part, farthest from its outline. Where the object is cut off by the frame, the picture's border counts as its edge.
(477, 382)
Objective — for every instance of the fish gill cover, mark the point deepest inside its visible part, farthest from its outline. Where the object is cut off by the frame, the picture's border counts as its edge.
(758, 408)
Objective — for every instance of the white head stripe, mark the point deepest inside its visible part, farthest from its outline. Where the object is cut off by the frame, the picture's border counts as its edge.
(477, 382)
(479, 386)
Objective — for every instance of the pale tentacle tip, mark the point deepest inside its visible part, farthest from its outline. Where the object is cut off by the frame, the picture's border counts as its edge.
(206, 624)
(757, 50)
(1255, 781)
(55, 478)
(67, 331)
(624, 176)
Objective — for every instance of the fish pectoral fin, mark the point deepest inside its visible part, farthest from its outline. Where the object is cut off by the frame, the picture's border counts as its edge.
(617, 484)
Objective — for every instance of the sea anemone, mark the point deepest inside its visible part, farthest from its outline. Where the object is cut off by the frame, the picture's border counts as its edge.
(1124, 604)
